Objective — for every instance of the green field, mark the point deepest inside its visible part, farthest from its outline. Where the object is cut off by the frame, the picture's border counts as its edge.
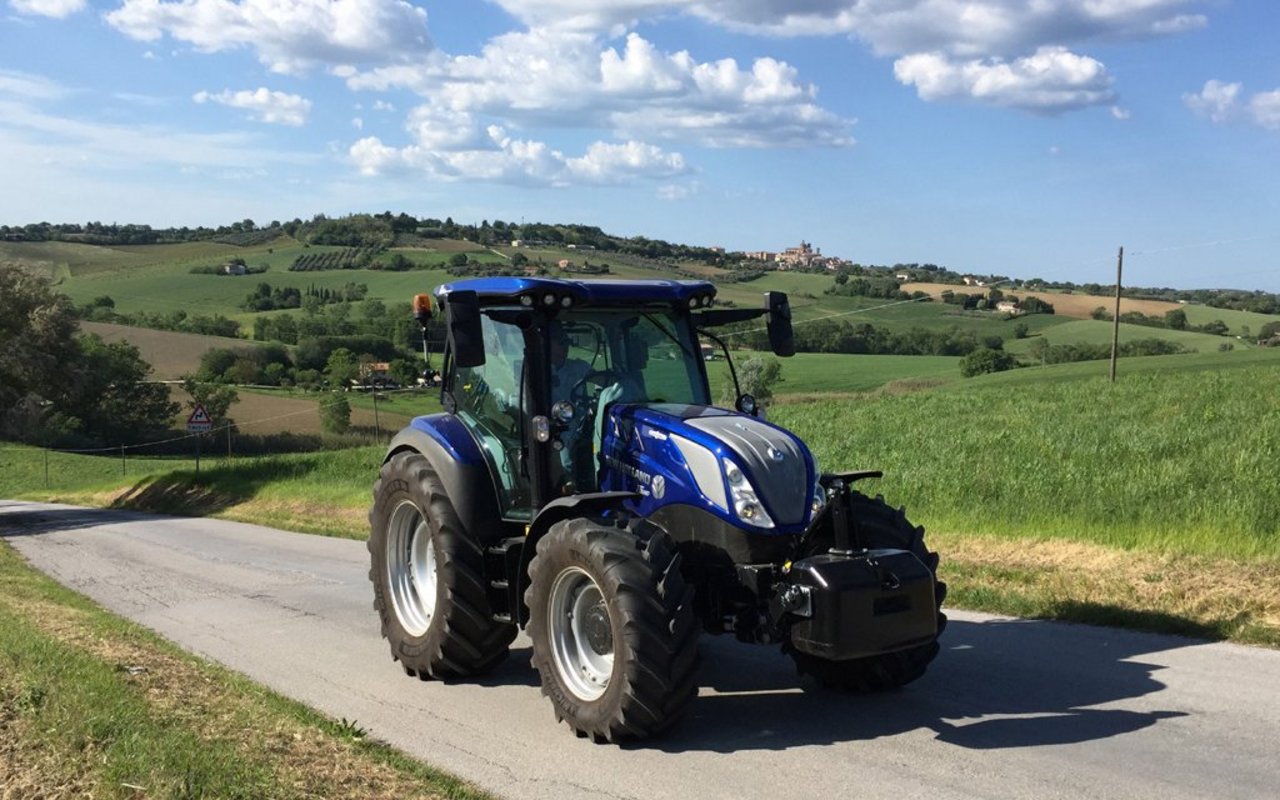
(1089, 331)
(1178, 456)
(808, 374)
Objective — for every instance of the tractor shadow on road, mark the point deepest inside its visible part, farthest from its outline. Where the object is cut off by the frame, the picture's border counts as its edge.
(996, 684)
(32, 522)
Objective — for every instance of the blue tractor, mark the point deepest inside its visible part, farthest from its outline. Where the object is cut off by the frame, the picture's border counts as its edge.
(581, 484)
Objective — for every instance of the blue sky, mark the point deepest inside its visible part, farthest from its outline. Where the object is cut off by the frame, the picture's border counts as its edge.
(1020, 137)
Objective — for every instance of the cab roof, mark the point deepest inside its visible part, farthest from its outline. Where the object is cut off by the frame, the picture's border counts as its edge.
(583, 292)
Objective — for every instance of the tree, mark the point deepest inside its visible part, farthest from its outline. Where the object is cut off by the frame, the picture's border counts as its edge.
(1021, 330)
(984, 360)
(1176, 319)
(1217, 328)
(335, 413)
(216, 398)
(519, 260)
(112, 397)
(341, 368)
(38, 329)
(756, 376)
(458, 260)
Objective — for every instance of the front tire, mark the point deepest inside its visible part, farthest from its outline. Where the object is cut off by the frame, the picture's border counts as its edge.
(428, 577)
(612, 626)
(882, 527)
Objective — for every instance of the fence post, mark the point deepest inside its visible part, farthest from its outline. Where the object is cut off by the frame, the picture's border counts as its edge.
(122, 463)
(1115, 327)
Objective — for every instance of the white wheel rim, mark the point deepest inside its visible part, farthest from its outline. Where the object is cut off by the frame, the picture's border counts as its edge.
(411, 568)
(581, 633)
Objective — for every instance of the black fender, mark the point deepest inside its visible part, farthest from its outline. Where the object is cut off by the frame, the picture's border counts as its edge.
(469, 486)
(594, 504)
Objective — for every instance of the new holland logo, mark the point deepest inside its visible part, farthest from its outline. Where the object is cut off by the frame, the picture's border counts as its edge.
(775, 453)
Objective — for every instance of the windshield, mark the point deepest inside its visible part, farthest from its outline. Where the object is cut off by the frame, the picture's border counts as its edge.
(654, 354)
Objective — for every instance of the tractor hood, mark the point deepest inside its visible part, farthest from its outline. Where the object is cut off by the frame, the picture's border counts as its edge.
(690, 444)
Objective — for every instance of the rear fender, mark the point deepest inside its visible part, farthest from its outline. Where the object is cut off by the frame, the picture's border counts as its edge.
(456, 459)
(595, 504)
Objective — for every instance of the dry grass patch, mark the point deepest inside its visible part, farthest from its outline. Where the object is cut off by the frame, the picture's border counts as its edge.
(1081, 582)
(286, 750)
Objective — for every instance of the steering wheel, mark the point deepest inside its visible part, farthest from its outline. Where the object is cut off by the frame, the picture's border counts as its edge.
(600, 377)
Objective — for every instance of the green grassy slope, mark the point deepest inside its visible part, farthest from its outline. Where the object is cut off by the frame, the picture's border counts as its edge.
(1179, 455)
(1089, 331)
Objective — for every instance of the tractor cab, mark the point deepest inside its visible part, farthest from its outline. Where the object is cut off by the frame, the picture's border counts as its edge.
(532, 365)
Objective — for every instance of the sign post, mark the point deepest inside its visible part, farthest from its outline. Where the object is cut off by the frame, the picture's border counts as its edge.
(199, 422)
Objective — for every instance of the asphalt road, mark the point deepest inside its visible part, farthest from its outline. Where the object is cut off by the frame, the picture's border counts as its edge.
(1011, 708)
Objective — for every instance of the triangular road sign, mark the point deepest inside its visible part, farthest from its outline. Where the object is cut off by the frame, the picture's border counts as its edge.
(199, 420)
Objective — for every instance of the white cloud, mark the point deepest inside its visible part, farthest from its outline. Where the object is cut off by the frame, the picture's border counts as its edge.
(357, 123)
(1120, 113)
(1051, 81)
(1264, 108)
(289, 36)
(994, 32)
(1225, 102)
(962, 28)
(673, 192)
(58, 9)
(262, 104)
(500, 158)
(570, 79)
(26, 85)
(53, 139)
(382, 105)
(1217, 101)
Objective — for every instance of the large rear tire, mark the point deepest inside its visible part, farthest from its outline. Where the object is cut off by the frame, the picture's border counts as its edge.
(428, 577)
(612, 626)
(885, 527)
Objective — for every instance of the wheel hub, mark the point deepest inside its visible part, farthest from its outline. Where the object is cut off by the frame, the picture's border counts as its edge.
(599, 631)
(580, 633)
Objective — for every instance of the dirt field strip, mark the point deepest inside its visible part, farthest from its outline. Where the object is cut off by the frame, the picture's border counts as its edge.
(1064, 305)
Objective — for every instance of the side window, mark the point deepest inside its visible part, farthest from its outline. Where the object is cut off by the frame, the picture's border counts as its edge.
(488, 399)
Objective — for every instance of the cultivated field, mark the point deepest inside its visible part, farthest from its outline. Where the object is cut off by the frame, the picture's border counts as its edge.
(1066, 305)
(171, 354)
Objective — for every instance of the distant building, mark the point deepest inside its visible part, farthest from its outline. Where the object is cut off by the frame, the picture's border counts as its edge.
(233, 269)
(761, 255)
(516, 242)
(802, 256)
(1008, 307)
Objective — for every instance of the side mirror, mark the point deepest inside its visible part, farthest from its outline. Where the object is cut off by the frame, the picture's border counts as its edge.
(779, 324)
(466, 338)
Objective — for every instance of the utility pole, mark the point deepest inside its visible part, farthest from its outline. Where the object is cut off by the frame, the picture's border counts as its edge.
(122, 461)
(1115, 326)
(377, 426)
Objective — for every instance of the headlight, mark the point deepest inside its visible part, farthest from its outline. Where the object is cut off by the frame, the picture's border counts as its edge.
(746, 503)
(711, 476)
(819, 498)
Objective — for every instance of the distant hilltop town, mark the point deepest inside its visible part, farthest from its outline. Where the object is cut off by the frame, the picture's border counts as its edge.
(804, 256)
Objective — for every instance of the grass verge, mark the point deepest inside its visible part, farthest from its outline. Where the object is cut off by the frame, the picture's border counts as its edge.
(95, 706)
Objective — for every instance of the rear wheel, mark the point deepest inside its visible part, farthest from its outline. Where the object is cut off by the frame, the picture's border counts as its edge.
(612, 626)
(428, 577)
(884, 527)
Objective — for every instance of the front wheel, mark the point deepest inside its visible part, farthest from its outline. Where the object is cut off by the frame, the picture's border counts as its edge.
(882, 527)
(612, 627)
